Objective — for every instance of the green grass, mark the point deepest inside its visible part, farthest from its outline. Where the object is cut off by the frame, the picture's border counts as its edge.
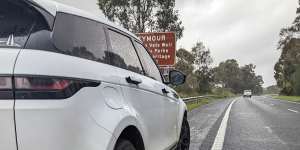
(288, 98)
(192, 106)
(202, 102)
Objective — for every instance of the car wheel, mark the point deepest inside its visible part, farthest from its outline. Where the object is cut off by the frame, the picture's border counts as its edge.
(184, 140)
(124, 145)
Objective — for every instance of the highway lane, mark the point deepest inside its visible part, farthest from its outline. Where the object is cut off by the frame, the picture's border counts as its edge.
(259, 123)
(202, 119)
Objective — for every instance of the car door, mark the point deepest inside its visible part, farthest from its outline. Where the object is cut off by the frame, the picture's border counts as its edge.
(144, 93)
(16, 21)
(170, 103)
(7, 125)
(141, 93)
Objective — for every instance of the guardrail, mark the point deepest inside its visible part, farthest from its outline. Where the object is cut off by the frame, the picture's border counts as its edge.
(196, 99)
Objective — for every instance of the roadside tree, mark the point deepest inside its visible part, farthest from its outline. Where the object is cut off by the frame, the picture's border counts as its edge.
(144, 15)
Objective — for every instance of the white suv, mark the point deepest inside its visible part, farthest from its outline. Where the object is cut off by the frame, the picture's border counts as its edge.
(72, 81)
(247, 93)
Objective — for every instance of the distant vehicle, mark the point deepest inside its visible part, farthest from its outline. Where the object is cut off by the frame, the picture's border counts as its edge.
(72, 81)
(247, 93)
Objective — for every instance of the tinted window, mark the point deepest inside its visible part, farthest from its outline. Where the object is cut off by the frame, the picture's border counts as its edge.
(80, 37)
(150, 67)
(16, 22)
(40, 36)
(124, 54)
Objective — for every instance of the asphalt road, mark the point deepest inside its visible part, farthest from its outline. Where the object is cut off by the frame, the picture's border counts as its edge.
(259, 123)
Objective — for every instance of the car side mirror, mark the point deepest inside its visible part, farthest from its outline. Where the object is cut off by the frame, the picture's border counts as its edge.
(176, 77)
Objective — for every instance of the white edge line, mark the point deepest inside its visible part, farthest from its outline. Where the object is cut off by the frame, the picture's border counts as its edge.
(295, 111)
(219, 139)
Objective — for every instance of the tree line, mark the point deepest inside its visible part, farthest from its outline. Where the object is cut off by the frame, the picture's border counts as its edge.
(287, 69)
(202, 78)
(144, 15)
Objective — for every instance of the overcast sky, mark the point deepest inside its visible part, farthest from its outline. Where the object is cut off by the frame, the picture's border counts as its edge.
(243, 30)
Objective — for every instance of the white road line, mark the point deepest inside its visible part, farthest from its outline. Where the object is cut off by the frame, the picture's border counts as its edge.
(219, 140)
(295, 111)
(269, 129)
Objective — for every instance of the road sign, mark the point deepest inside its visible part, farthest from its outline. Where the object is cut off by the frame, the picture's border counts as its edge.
(162, 46)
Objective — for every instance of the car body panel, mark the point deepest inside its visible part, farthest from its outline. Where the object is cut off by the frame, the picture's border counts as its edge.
(7, 124)
(62, 120)
(7, 130)
(94, 117)
(154, 110)
(81, 119)
(62, 124)
(247, 93)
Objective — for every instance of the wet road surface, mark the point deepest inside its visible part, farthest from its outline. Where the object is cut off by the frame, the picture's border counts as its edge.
(257, 123)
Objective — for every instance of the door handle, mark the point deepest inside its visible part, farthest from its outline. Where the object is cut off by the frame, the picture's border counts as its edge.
(165, 91)
(133, 80)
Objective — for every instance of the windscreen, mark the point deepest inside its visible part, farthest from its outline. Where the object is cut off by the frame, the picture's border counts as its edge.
(16, 22)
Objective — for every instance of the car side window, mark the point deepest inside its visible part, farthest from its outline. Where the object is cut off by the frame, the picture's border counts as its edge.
(123, 53)
(80, 37)
(151, 70)
(15, 25)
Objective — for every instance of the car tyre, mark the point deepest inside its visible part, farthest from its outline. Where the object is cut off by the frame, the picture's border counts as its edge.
(184, 140)
(123, 144)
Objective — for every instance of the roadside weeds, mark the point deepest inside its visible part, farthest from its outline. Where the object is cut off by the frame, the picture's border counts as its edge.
(204, 101)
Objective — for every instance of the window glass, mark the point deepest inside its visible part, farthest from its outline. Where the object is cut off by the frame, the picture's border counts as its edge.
(80, 37)
(40, 36)
(150, 67)
(123, 53)
(16, 21)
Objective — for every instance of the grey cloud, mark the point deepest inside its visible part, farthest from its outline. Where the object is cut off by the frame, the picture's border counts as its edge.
(243, 30)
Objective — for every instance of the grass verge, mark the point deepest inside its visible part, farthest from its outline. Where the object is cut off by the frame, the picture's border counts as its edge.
(192, 106)
(201, 102)
(288, 98)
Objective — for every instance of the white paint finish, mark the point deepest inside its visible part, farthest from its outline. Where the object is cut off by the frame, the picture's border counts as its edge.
(83, 121)
(219, 139)
(48, 5)
(73, 123)
(7, 130)
(89, 5)
(7, 126)
(107, 109)
(156, 115)
(151, 104)
(113, 97)
(7, 60)
(292, 110)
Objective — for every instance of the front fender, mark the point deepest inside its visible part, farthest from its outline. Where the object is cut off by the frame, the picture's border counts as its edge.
(182, 110)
